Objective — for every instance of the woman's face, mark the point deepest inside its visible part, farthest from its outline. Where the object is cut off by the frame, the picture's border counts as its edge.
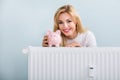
(67, 25)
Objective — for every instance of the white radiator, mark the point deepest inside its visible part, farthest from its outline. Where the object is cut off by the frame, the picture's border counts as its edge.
(53, 63)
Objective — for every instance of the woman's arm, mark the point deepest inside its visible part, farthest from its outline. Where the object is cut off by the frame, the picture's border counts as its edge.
(73, 44)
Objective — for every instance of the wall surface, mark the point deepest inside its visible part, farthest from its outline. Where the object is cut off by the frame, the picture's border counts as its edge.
(24, 23)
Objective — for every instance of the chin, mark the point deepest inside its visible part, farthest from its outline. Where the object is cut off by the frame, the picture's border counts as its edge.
(67, 35)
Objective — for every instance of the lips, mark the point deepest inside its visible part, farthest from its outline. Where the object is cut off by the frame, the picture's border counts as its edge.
(66, 30)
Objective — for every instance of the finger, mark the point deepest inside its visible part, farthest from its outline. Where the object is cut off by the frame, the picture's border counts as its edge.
(45, 39)
(45, 36)
(45, 44)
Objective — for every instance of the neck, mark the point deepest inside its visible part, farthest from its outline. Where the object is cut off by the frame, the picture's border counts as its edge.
(73, 36)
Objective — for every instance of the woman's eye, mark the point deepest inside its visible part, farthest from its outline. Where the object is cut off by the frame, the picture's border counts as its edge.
(60, 22)
(69, 21)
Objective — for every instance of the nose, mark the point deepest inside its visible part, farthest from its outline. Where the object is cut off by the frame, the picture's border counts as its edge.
(65, 25)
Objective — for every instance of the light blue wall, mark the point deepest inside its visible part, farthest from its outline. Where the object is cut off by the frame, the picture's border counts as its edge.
(24, 22)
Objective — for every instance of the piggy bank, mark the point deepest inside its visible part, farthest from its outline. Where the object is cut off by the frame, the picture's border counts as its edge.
(54, 38)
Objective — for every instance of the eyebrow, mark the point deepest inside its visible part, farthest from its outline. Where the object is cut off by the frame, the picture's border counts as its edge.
(66, 19)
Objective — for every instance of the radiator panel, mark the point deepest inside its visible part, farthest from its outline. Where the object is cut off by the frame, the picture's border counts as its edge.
(73, 63)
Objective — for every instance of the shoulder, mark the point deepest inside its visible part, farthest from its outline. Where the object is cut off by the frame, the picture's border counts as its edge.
(87, 36)
(87, 33)
(89, 39)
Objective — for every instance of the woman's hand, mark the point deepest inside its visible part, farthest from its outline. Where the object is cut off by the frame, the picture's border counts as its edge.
(45, 41)
(73, 44)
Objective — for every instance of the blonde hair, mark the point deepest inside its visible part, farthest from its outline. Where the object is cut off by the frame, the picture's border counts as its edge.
(70, 10)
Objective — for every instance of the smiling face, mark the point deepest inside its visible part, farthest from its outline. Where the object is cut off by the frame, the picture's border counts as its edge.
(67, 25)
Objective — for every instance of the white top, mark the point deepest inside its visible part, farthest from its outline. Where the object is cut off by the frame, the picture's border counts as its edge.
(86, 39)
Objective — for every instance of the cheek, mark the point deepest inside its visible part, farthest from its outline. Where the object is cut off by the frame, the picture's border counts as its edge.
(74, 26)
(60, 27)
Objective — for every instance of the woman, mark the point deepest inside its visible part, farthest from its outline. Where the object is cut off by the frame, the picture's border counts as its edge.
(72, 31)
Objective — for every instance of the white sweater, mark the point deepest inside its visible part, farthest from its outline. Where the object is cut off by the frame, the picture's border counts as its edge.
(86, 39)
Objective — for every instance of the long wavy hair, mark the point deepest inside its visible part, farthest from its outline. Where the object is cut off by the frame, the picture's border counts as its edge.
(71, 11)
